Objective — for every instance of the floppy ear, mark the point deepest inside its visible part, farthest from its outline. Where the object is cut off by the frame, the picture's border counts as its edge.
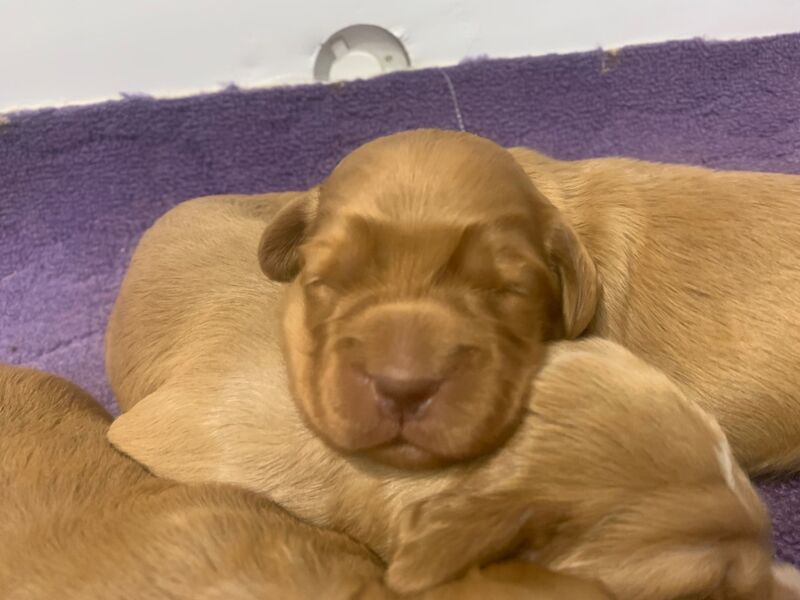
(278, 250)
(576, 270)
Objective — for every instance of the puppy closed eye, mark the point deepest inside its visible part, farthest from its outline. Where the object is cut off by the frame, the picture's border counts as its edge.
(317, 285)
(513, 290)
(319, 294)
(511, 299)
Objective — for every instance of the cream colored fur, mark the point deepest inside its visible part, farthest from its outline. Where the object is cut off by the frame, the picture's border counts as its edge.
(700, 275)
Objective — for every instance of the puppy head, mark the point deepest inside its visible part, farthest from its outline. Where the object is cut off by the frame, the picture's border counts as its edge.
(427, 273)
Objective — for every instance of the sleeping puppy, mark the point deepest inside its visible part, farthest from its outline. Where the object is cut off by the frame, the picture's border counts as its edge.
(699, 274)
(82, 521)
(415, 321)
(614, 475)
(430, 269)
(195, 339)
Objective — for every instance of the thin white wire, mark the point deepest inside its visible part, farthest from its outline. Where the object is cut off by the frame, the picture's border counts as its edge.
(457, 108)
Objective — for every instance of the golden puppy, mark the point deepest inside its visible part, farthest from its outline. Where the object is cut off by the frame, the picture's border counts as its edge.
(699, 274)
(194, 347)
(427, 272)
(82, 521)
(429, 267)
(614, 475)
(421, 299)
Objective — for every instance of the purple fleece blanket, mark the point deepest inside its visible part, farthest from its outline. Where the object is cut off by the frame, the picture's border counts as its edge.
(78, 186)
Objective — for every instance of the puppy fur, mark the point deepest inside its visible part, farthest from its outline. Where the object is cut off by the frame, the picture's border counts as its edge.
(614, 475)
(416, 321)
(405, 270)
(423, 244)
(195, 339)
(82, 521)
(699, 274)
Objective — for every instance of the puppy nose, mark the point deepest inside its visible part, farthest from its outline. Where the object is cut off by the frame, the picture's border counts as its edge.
(406, 393)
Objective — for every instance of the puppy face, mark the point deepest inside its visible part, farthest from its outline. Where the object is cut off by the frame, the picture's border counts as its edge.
(425, 283)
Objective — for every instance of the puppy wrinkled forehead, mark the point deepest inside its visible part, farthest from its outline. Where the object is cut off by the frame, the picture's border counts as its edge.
(423, 175)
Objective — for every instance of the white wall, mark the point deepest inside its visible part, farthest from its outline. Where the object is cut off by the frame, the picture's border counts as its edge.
(72, 51)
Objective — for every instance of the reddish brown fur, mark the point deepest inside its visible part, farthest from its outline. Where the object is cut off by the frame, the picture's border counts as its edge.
(81, 521)
(195, 352)
(700, 275)
(614, 475)
(401, 275)
(696, 270)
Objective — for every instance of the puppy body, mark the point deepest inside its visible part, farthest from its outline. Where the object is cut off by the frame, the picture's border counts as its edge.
(606, 437)
(614, 475)
(205, 387)
(700, 275)
(82, 521)
(194, 354)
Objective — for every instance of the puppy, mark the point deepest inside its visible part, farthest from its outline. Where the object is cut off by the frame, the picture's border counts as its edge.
(421, 301)
(428, 271)
(194, 343)
(82, 521)
(699, 274)
(430, 267)
(614, 475)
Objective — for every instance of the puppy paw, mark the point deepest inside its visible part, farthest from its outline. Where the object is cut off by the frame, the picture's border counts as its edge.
(441, 537)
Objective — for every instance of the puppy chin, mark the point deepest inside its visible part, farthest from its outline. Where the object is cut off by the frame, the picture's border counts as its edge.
(348, 414)
(415, 448)
(390, 446)
(392, 451)
(404, 455)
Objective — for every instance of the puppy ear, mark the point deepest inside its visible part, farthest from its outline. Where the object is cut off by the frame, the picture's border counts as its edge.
(576, 270)
(278, 251)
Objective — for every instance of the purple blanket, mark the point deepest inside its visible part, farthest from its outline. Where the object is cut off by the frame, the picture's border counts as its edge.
(78, 186)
